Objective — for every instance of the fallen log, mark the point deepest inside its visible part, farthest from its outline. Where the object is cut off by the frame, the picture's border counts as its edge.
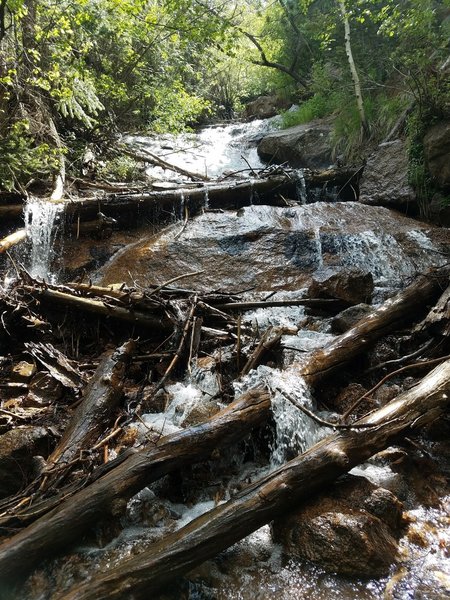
(146, 156)
(67, 523)
(144, 575)
(12, 239)
(98, 307)
(225, 194)
(99, 404)
(392, 313)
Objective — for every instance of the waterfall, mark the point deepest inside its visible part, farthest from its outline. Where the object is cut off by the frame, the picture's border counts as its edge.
(41, 223)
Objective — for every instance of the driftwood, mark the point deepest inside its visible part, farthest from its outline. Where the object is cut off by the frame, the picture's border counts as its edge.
(66, 523)
(12, 240)
(145, 155)
(99, 404)
(53, 296)
(52, 531)
(395, 311)
(145, 574)
(57, 364)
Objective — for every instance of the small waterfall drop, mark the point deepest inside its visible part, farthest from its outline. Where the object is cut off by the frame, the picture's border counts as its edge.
(41, 224)
(301, 191)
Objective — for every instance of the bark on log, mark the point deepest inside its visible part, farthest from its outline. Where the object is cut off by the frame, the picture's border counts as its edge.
(395, 311)
(100, 401)
(67, 523)
(12, 240)
(157, 322)
(144, 575)
(226, 194)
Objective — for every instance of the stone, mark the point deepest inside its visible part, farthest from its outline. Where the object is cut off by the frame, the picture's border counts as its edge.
(348, 396)
(352, 530)
(269, 248)
(44, 389)
(384, 181)
(351, 285)
(17, 450)
(347, 318)
(23, 371)
(265, 107)
(308, 145)
(436, 145)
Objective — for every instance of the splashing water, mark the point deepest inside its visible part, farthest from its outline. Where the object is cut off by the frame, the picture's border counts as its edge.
(41, 223)
(294, 431)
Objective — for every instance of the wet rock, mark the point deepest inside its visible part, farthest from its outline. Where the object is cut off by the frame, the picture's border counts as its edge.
(348, 396)
(349, 317)
(198, 412)
(307, 145)
(351, 285)
(439, 210)
(385, 177)
(282, 247)
(352, 530)
(437, 153)
(265, 107)
(17, 449)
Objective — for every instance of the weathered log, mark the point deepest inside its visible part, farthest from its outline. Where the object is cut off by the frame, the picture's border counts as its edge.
(146, 156)
(67, 523)
(99, 404)
(145, 574)
(11, 211)
(57, 364)
(395, 311)
(12, 239)
(269, 340)
(225, 194)
(130, 315)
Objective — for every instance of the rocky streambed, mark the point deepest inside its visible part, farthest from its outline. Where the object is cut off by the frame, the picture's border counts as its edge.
(226, 304)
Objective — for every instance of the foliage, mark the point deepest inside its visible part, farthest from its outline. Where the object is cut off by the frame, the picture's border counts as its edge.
(22, 158)
(166, 65)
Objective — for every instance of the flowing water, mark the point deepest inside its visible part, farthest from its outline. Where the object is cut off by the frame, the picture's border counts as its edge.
(269, 249)
(41, 223)
(213, 151)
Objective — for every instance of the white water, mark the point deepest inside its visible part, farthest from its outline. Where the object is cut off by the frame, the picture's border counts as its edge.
(41, 223)
(212, 151)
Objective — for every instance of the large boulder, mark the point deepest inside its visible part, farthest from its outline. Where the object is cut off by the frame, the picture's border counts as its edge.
(265, 107)
(437, 153)
(280, 248)
(352, 530)
(307, 145)
(385, 178)
(350, 285)
(17, 449)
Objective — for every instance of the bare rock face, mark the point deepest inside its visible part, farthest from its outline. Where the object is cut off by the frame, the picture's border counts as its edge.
(351, 531)
(385, 178)
(307, 145)
(437, 153)
(280, 248)
(351, 285)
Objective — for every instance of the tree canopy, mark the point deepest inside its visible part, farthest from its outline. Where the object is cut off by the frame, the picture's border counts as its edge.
(71, 70)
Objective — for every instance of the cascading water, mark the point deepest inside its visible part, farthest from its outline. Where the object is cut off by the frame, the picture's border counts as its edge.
(212, 151)
(41, 223)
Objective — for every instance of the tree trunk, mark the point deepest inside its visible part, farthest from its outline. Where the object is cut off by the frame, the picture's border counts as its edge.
(124, 477)
(99, 404)
(392, 313)
(353, 70)
(144, 575)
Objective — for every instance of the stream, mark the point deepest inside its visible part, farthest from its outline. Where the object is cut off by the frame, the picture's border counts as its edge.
(257, 251)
